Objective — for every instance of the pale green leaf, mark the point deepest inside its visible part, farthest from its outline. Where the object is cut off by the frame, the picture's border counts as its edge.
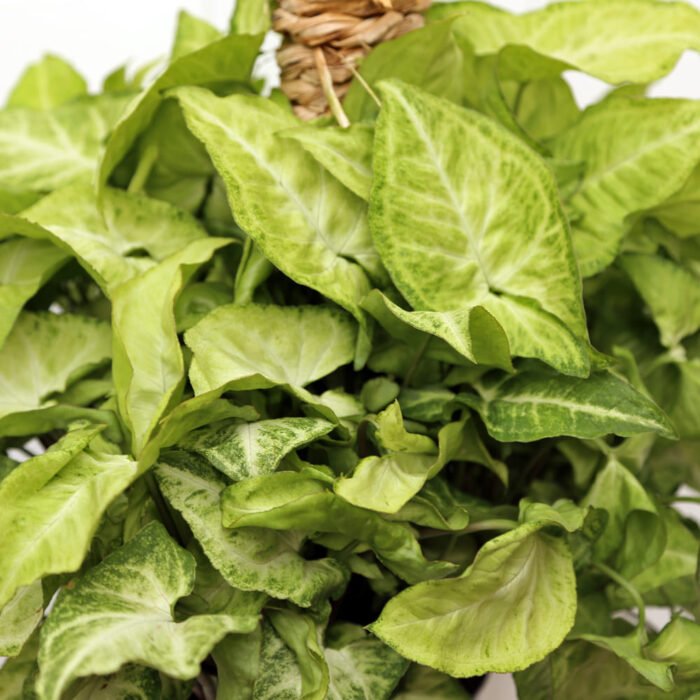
(441, 221)
(685, 412)
(437, 505)
(289, 500)
(671, 292)
(121, 611)
(251, 17)
(533, 405)
(19, 617)
(627, 170)
(680, 213)
(361, 668)
(44, 354)
(510, 608)
(284, 345)
(424, 683)
(225, 61)
(678, 644)
(303, 220)
(48, 83)
(428, 58)
(242, 450)
(15, 671)
(617, 40)
(46, 150)
(249, 559)
(24, 267)
(629, 649)
(617, 491)
(148, 367)
(130, 682)
(192, 34)
(106, 238)
(345, 153)
(51, 505)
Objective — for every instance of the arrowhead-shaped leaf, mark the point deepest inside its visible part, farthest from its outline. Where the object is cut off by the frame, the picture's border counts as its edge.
(19, 618)
(253, 559)
(121, 611)
(451, 244)
(48, 83)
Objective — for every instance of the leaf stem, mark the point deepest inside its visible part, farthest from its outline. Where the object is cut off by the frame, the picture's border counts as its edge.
(480, 526)
(634, 594)
(162, 507)
(327, 85)
(682, 499)
(143, 169)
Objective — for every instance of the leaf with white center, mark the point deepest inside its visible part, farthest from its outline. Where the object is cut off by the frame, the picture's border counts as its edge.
(148, 367)
(532, 406)
(617, 41)
(121, 611)
(243, 450)
(24, 267)
(509, 609)
(303, 220)
(225, 61)
(254, 559)
(671, 292)
(361, 668)
(105, 238)
(256, 346)
(44, 354)
(442, 221)
(47, 150)
(627, 170)
(345, 153)
(48, 83)
(19, 618)
(291, 500)
(51, 505)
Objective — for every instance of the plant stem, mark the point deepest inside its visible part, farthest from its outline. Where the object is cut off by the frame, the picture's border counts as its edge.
(163, 510)
(634, 594)
(481, 525)
(143, 169)
(327, 85)
(682, 499)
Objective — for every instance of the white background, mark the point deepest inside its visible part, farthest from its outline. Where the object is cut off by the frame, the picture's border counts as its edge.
(98, 36)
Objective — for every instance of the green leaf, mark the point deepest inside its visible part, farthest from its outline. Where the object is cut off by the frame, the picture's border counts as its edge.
(192, 34)
(629, 649)
(251, 17)
(580, 671)
(250, 559)
(437, 505)
(289, 500)
(130, 682)
(678, 644)
(534, 405)
(685, 412)
(617, 491)
(681, 211)
(428, 58)
(345, 153)
(44, 354)
(282, 345)
(424, 683)
(361, 668)
(25, 266)
(15, 671)
(51, 505)
(476, 623)
(617, 41)
(242, 450)
(45, 150)
(223, 62)
(148, 367)
(107, 238)
(46, 84)
(450, 245)
(303, 220)
(676, 311)
(19, 618)
(626, 170)
(120, 611)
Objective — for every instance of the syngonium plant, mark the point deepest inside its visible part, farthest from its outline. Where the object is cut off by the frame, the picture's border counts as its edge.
(354, 412)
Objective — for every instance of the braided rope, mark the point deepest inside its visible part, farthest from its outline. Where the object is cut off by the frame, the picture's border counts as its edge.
(326, 39)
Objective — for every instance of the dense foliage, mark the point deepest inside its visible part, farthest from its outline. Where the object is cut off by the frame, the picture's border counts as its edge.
(316, 412)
